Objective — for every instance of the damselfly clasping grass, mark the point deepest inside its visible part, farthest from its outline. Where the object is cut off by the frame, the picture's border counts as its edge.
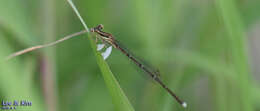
(109, 38)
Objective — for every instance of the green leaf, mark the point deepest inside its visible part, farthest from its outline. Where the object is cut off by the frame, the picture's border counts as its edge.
(119, 99)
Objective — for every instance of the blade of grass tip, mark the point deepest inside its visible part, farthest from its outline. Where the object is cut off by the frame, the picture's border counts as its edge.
(238, 43)
(118, 97)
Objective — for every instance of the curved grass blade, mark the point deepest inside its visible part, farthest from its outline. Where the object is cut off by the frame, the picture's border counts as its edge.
(118, 97)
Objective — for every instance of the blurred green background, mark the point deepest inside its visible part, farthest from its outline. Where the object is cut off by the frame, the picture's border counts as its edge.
(207, 52)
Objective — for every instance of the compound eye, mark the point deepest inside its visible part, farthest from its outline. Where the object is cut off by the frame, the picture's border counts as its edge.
(100, 26)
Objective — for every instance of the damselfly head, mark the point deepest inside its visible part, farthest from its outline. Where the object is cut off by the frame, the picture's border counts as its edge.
(100, 27)
(97, 28)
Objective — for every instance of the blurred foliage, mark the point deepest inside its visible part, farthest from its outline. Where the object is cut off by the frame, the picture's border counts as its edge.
(200, 47)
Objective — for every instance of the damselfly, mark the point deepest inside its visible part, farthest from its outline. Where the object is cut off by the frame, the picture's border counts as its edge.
(109, 38)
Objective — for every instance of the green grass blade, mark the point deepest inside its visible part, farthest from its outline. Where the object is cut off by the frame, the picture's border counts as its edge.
(235, 29)
(119, 99)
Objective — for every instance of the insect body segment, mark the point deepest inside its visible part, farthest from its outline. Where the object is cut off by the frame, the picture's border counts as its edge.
(109, 38)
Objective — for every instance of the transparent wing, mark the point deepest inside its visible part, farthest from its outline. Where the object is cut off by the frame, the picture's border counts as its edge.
(106, 52)
(100, 46)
